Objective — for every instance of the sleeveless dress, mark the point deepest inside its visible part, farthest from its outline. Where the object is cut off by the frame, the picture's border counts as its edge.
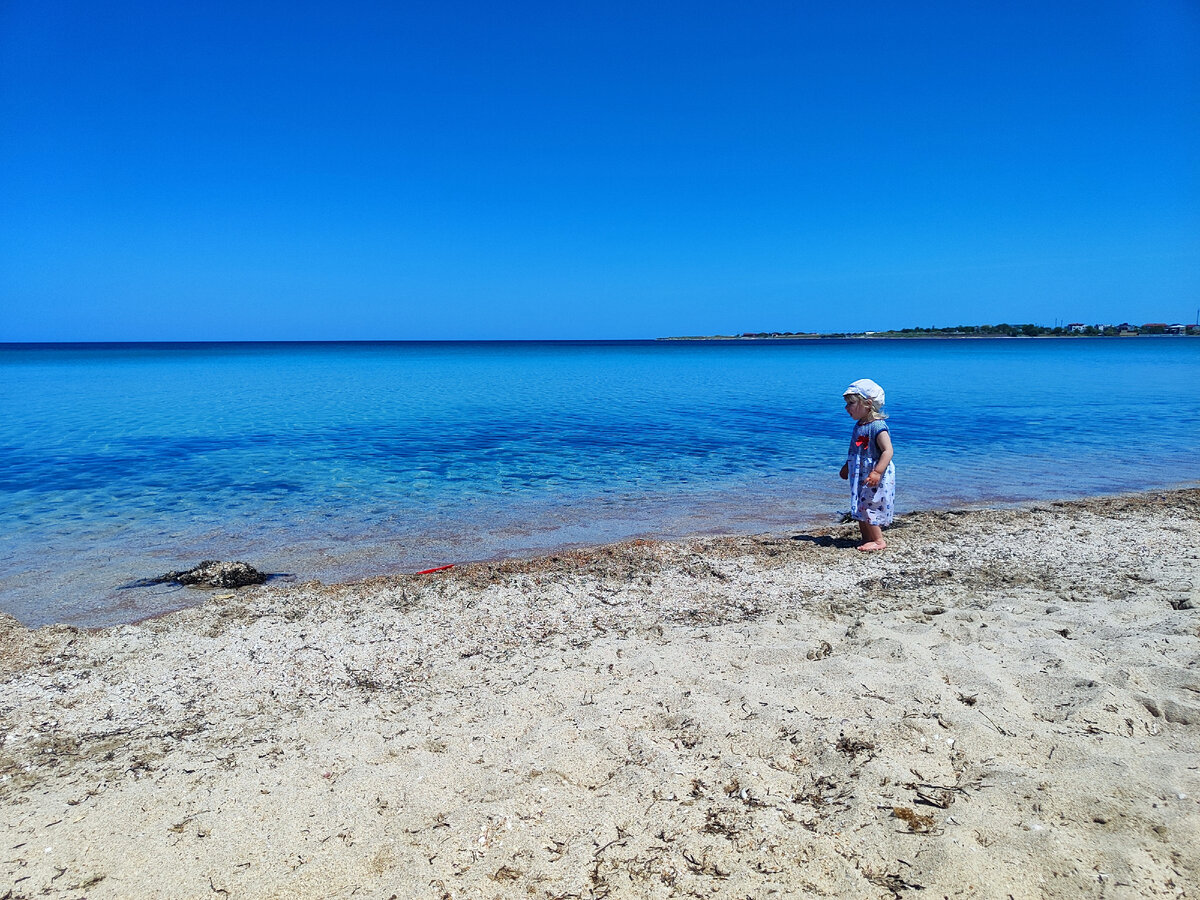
(872, 505)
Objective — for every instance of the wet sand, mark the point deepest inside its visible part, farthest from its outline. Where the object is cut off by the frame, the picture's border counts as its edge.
(1004, 703)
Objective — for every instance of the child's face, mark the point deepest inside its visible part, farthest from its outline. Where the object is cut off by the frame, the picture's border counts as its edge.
(857, 407)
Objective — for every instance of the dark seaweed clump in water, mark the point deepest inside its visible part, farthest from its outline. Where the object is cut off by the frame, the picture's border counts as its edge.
(210, 573)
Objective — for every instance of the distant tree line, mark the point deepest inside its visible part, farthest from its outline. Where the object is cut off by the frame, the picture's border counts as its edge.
(1003, 329)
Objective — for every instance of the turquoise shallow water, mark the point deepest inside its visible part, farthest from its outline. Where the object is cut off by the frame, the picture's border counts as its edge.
(333, 461)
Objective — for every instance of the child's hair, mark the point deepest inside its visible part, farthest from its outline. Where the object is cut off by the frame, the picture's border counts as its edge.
(876, 410)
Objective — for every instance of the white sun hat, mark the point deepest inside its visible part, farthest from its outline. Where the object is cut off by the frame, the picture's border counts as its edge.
(865, 387)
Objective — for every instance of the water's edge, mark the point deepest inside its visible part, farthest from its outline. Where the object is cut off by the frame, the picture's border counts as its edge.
(822, 525)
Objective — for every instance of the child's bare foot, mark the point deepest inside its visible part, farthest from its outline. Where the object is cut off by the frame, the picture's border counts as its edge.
(870, 546)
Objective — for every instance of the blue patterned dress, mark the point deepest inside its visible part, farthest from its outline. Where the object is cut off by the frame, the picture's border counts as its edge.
(872, 505)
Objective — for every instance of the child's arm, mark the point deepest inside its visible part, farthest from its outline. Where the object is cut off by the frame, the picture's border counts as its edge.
(884, 441)
(845, 473)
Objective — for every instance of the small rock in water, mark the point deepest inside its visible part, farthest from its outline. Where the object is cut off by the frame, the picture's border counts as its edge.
(214, 573)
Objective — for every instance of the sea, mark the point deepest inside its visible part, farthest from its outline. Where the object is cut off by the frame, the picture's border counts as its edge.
(336, 461)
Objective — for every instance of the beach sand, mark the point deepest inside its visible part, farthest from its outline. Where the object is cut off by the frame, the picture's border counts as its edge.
(1005, 703)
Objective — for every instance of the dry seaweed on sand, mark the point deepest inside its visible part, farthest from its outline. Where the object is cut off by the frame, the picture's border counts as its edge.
(917, 823)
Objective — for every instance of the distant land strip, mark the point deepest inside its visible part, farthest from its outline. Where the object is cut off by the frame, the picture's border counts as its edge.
(1074, 329)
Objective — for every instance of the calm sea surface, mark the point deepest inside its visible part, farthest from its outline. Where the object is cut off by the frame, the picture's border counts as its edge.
(332, 461)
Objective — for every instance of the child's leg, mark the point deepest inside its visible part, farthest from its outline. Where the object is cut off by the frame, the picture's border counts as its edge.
(872, 536)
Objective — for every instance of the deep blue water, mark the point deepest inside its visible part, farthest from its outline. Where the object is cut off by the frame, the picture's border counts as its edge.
(333, 461)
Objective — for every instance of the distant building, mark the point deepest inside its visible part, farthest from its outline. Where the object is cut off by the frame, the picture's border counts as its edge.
(1155, 328)
(1076, 327)
(1176, 329)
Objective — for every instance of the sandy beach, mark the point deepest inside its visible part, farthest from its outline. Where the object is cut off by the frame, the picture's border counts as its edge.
(1005, 703)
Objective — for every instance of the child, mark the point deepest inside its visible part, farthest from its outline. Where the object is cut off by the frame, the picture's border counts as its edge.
(869, 464)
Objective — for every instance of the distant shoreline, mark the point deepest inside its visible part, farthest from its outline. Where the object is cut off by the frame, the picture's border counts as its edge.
(885, 336)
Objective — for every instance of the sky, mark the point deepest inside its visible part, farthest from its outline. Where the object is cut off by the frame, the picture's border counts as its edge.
(443, 170)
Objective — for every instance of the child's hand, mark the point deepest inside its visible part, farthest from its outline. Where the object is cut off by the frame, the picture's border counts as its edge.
(873, 479)
(845, 473)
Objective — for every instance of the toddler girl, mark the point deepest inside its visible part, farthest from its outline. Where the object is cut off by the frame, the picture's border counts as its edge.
(869, 463)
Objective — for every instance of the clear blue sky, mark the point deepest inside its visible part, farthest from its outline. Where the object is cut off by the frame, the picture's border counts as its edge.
(447, 170)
